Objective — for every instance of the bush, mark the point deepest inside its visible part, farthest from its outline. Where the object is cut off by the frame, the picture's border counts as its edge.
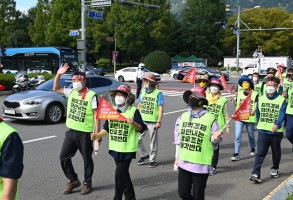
(158, 61)
(7, 80)
(222, 69)
(104, 63)
(46, 75)
(233, 69)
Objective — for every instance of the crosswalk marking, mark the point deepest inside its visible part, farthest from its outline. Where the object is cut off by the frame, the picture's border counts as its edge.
(174, 93)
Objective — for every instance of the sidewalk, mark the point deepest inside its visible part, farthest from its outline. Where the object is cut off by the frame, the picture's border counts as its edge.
(282, 191)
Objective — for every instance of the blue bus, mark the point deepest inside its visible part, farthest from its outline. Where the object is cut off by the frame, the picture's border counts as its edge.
(37, 59)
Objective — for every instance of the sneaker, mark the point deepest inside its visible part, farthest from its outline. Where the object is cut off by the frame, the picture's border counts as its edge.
(152, 164)
(70, 186)
(213, 172)
(252, 153)
(235, 157)
(86, 189)
(274, 173)
(142, 160)
(255, 178)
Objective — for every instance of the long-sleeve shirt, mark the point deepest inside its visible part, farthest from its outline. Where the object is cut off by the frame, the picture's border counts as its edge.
(193, 167)
(282, 113)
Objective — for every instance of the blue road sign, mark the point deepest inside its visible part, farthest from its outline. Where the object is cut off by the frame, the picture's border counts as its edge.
(74, 33)
(96, 15)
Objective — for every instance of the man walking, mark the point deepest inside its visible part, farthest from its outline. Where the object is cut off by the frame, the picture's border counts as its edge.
(139, 77)
(11, 163)
(81, 111)
(150, 105)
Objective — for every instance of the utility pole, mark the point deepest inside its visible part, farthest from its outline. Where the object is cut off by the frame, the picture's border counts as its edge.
(238, 36)
(83, 35)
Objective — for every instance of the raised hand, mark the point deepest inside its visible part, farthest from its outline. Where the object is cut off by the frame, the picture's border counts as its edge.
(63, 69)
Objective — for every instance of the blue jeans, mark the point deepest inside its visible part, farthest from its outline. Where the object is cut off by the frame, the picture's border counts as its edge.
(238, 134)
(289, 128)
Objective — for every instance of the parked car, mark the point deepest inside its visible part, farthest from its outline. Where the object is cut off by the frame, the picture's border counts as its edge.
(202, 71)
(98, 71)
(174, 71)
(129, 74)
(45, 104)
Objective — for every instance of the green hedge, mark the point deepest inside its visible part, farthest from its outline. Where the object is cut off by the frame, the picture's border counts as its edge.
(158, 61)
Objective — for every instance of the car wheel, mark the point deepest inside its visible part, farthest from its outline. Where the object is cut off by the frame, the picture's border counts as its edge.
(121, 79)
(54, 113)
(175, 76)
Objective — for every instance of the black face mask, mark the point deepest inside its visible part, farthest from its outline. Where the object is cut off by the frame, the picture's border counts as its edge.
(289, 76)
(193, 102)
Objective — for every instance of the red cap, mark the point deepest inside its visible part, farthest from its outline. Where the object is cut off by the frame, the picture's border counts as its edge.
(198, 91)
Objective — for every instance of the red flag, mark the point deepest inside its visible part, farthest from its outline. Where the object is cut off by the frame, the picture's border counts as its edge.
(224, 83)
(190, 76)
(107, 112)
(243, 111)
(233, 89)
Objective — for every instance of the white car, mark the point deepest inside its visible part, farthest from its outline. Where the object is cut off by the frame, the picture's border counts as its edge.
(129, 74)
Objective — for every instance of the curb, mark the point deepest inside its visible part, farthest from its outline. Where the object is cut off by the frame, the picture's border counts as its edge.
(281, 191)
(2, 93)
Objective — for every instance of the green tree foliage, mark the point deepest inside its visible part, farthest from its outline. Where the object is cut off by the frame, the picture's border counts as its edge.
(158, 61)
(37, 28)
(139, 29)
(201, 28)
(7, 18)
(271, 42)
(65, 16)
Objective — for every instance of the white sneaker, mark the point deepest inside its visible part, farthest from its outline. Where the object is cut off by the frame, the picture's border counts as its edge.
(252, 153)
(235, 157)
(274, 173)
(213, 172)
(255, 178)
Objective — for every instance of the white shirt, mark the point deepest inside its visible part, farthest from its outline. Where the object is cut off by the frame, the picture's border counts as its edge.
(139, 73)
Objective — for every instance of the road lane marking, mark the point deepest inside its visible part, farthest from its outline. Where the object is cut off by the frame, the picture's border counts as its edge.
(43, 138)
(176, 111)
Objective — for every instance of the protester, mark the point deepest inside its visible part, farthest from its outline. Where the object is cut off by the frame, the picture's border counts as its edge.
(256, 83)
(139, 77)
(288, 81)
(282, 68)
(203, 81)
(123, 139)
(248, 87)
(264, 86)
(81, 111)
(196, 136)
(218, 107)
(288, 93)
(270, 115)
(11, 163)
(150, 105)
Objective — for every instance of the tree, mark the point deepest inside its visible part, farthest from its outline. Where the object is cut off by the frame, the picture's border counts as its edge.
(201, 28)
(158, 61)
(7, 17)
(37, 28)
(65, 16)
(141, 30)
(271, 42)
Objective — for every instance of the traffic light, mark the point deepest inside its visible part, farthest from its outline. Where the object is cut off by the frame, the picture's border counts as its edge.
(152, 6)
(234, 51)
(127, 3)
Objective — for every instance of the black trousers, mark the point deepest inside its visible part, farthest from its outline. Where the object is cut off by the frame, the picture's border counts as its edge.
(264, 142)
(73, 141)
(215, 157)
(138, 86)
(123, 184)
(187, 180)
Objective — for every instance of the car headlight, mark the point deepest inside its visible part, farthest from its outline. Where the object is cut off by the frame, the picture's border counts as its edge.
(33, 102)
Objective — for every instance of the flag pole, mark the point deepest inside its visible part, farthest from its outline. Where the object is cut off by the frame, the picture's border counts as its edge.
(226, 124)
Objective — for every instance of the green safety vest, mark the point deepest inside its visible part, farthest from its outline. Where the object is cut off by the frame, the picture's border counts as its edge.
(123, 137)
(241, 97)
(80, 116)
(149, 108)
(239, 89)
(257, 88)
(6, 130)
(287, 85)
(283, 75)
(269, 112)
(195, 139)
(217, 109)
(289, 109)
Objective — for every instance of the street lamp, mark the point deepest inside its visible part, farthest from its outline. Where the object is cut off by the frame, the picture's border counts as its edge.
(238, 28)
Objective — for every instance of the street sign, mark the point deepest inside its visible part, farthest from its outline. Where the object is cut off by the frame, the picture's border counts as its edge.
(74, 33)
(96, 15)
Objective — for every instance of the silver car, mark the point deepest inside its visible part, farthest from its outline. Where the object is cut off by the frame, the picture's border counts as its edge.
(45, 104)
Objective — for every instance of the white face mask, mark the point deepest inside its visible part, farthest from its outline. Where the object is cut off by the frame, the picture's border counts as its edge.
(254, 79)
(214, 89)
(271, 89)
(119, 100)
(77, 86)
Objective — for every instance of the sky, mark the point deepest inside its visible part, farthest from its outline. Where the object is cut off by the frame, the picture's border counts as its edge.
(24, 5)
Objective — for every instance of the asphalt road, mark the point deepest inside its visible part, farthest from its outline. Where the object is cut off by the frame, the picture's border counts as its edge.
(43, 178)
